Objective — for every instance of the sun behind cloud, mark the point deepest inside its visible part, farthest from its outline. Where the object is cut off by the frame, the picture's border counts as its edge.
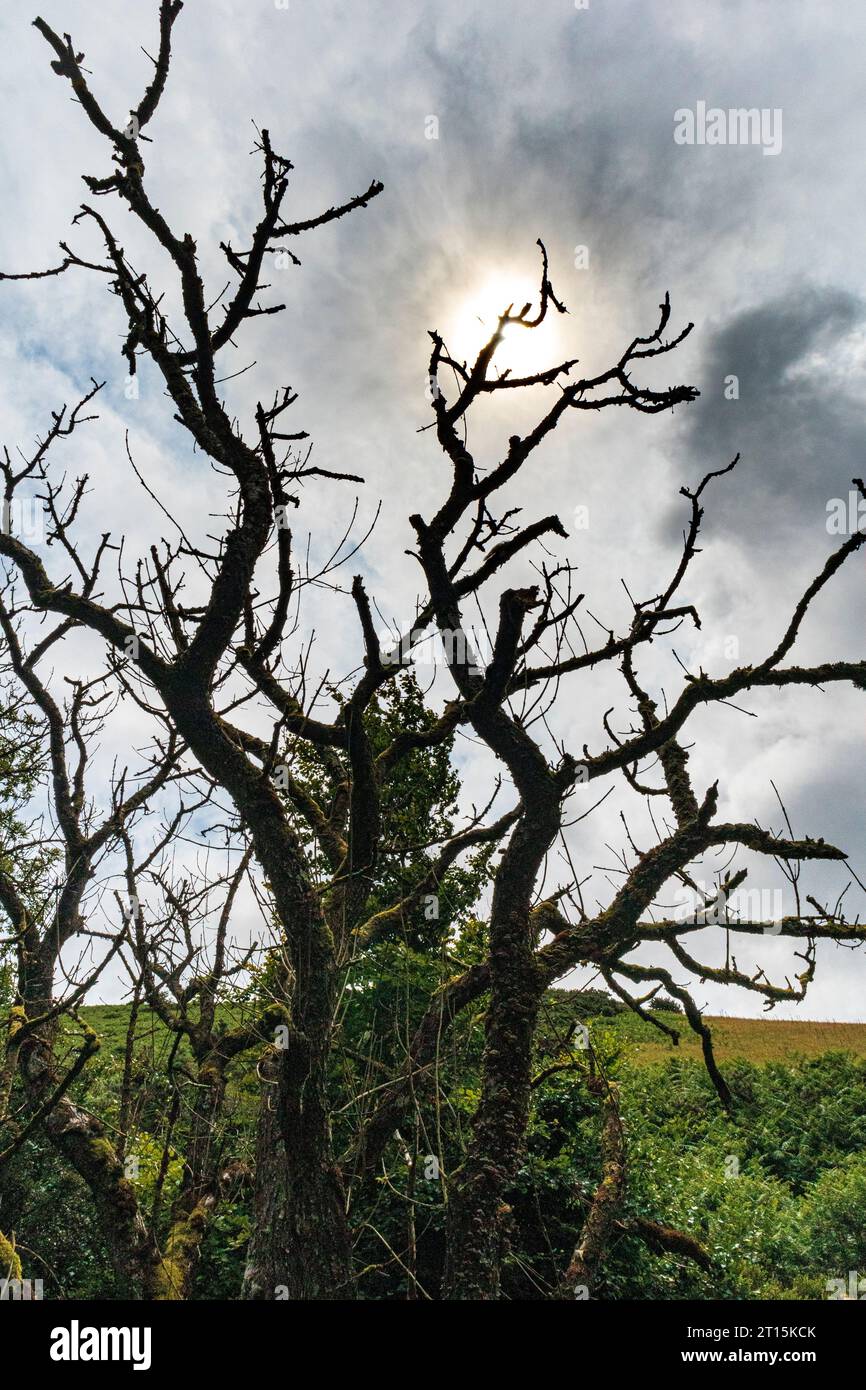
(524, 351)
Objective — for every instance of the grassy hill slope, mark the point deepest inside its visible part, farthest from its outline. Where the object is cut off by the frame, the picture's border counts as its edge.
(751, 1039)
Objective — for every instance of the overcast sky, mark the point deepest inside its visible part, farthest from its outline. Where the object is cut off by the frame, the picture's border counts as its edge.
(546, 121)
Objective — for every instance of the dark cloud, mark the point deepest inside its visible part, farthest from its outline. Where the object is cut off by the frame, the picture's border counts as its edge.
(798, 421)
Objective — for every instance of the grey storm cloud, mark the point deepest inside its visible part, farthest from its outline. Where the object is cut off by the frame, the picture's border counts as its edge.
(797, 417)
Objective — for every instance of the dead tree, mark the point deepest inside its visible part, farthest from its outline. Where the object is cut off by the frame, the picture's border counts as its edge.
(42, 928)
(200, 669)
(184, 984)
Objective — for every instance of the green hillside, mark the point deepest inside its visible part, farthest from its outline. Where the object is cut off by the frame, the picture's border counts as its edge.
(755, 1040)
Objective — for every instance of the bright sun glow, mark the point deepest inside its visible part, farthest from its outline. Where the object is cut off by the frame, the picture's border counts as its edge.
(523, 350)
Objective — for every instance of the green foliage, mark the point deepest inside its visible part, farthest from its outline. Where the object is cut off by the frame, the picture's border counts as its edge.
(774, 1192)
(418, 806)
(219, 1273)
(661, 1004)
(22, 768)
(48, 1207)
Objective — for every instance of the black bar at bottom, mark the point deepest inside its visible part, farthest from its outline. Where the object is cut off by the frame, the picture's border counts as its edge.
(171, 1339)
